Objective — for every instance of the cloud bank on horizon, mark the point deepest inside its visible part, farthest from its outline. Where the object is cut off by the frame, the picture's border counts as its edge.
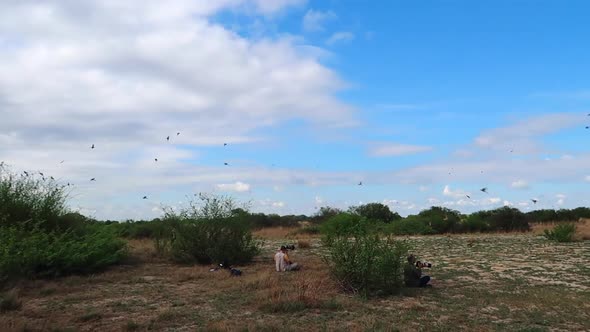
(280, 103)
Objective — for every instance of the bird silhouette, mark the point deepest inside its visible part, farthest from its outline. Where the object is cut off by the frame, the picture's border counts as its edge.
(360, 183)
(468, 196)
(26, 173)
(534, 201)
(61, 162)
(587, 127)
(41, 174)
(156, 159)
(484, 189)
(168, 138)
(224, 144)
(92, 147)
(226, 164)
(144, 197)
(93, 179)
(178, 133)
(51, 177)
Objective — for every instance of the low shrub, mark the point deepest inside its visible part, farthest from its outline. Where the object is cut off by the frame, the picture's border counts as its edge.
(412, 225)
(37, 253)
(561, 233)
(212, 240)
(303, 244)
(364, 262)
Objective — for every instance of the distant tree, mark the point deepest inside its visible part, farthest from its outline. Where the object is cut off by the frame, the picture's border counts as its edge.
(325, 213)
(508, 219)
(442, 219)
(375, 211)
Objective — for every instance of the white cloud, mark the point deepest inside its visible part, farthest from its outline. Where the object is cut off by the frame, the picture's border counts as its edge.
(340, 37)
(393, 149)
(508, 203)
(314, 20)
(278, 204)
(522, 135)
(423, 188)
(520, 184)
(454, 193)
(587, 178)
(318, 200)
(236, 187)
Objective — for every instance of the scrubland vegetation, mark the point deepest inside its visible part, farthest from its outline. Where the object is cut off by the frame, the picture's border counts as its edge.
(63, 271)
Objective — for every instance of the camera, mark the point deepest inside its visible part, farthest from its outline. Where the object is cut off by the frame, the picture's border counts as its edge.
(425, 264)
(289, 247)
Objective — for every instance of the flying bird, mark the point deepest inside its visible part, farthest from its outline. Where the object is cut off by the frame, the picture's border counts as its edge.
(224, 144)
(61, 162)
(468, 196)
(178, 133)
(144, 197)
(226, 164)
(92, 147)
(156, 159)
(587, 127)
(168, 138)
(484, 189)
(41, 174)
(360, 183)
(534, 201)
(26, 173)
(93, 179)
(51, 177)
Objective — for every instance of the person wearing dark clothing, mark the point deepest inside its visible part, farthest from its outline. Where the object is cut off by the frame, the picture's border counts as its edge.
(413, 274)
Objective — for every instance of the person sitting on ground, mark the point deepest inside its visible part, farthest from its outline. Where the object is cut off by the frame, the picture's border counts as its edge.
(283, 263)
(413, 274)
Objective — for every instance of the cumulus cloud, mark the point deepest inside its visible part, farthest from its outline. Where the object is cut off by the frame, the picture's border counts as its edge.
(236, 187)
(125, 75)
(394, 149)
(520, 184)
(340, 37)
(314, 20)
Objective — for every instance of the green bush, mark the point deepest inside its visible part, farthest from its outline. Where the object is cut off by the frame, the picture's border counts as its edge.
(561, 233)
(31, 253)
(31, 201)
(207, 233)
(411, 225)
(366, 263)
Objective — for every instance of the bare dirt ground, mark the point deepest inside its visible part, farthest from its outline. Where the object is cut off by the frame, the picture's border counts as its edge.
(516, 282)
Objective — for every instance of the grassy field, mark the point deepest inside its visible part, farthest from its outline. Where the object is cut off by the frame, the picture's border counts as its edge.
(516, 282)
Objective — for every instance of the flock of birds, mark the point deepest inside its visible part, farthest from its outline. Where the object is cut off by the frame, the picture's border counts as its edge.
(484, 189)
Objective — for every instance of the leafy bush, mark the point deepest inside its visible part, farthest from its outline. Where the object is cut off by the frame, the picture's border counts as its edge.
(29, 253)
(474, 223)
(561, 233)
(207, 232)
(31, 201)
(365, 262)
(411, 225)
(344, 225)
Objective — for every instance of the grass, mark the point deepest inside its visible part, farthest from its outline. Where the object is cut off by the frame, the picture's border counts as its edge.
(517, 282)
(10, 301)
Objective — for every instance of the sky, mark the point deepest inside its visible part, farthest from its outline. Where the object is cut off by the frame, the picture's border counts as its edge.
(309, 103)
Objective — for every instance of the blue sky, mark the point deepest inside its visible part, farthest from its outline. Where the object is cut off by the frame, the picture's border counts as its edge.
(424, 102)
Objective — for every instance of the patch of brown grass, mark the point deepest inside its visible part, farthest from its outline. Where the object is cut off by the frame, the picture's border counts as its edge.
(274, 232)
(582, 228)
(303, 244)
(10, 301)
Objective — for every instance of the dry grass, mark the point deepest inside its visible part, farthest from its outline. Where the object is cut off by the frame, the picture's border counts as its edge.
(274, 232)
(10, 301)
(499, 282)
(582, 229)
(303, 244)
